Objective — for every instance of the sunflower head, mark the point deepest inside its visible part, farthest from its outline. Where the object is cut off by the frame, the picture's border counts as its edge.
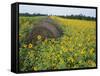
(30, 45)
(39, 37)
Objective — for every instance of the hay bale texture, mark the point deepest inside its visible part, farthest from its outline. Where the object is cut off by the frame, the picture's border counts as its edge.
(46, 28)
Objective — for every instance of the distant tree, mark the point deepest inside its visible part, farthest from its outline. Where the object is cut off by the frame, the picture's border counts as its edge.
(80, 17)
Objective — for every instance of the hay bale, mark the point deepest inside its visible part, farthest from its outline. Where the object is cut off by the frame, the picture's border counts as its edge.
(47, 28)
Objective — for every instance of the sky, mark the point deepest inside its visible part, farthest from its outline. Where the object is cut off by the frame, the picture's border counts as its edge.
(53, 10)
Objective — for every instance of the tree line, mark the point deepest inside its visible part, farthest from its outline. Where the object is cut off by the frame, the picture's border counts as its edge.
(80, 16)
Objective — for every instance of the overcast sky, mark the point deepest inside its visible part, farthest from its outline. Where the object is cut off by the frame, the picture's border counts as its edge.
(52, 10)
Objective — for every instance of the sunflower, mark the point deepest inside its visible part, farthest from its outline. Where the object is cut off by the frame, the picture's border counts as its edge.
(39, 37)
(25, 46)
(30, 45)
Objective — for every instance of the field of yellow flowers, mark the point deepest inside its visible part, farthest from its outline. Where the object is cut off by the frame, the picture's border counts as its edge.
(76, 48)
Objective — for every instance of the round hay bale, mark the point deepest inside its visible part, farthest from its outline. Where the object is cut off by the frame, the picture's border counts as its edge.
(46, 29)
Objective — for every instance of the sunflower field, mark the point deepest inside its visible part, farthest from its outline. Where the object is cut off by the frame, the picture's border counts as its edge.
(76, 48)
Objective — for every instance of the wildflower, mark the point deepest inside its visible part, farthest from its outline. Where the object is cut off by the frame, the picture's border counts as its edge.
(80, 62)
(25, 46)
(71, 49)
(82, 52)
(31, 54)
(91, 51)
(35, 68)
(63, 43)
(30, 45)
(71, 59)
(62, 61)
(62, 47)
(91, 63)
(39, 37)
(80, 45)
(75, 54)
